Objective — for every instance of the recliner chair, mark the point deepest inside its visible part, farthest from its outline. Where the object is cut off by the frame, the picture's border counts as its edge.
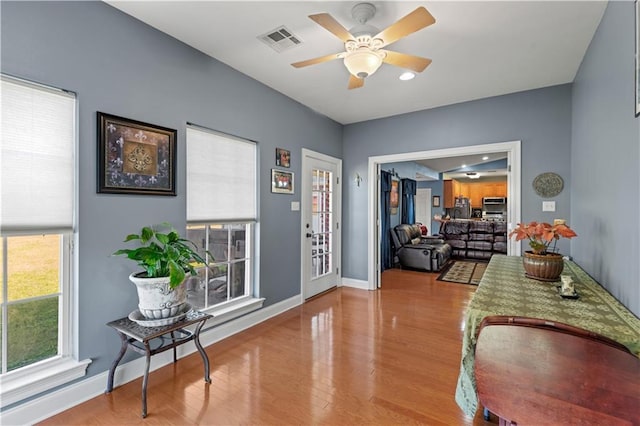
(418, 252)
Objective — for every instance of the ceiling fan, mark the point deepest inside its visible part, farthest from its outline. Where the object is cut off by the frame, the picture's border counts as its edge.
(363, 44)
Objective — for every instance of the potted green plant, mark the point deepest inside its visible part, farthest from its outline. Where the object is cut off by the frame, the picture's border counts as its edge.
(166, 259)
(542, 262)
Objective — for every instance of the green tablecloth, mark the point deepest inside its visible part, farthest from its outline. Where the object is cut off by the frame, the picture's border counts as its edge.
(504, 290)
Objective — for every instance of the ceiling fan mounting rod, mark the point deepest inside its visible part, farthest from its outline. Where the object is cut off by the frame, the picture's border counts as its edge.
(362, 12)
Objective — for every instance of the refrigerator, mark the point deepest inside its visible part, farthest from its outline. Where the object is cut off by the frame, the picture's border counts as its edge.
(461, 208)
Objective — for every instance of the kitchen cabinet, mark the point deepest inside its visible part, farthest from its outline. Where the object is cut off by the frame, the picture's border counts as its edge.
(451, 189)
(463, 190)
(475, 191)
(495, 189)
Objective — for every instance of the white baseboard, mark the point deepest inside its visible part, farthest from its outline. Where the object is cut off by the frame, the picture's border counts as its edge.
(350, 282)
(55, 402)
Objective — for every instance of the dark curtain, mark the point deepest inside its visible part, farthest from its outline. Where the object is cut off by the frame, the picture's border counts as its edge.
(408, 201)
(385, 217)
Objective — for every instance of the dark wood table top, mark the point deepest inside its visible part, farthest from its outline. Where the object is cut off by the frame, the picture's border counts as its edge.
(505, 290)
(533, 375)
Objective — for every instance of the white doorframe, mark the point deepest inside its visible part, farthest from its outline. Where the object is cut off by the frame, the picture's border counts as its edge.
(307, 156)
(514, 161)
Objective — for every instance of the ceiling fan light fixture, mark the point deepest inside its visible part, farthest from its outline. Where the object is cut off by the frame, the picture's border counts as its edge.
(407, 75)
(362, 63)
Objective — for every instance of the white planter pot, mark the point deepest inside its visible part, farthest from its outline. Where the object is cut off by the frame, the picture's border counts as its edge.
(155, 298)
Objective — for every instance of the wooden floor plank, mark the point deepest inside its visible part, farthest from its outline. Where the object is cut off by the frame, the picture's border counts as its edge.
(346, 357)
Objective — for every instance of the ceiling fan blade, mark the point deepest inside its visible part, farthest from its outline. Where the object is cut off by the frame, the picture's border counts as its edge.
(355, 82)
(334, 27)
(416, 20)
(316, 60)
(402, 60)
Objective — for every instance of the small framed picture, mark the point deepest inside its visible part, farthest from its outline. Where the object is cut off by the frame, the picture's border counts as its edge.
(281, 182)
(135, 157)
(436, 201)
(283, 158)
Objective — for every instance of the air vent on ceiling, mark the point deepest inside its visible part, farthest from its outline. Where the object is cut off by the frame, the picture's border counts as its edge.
(280, 39)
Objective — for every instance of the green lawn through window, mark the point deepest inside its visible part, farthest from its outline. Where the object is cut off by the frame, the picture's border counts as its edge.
(33, 270)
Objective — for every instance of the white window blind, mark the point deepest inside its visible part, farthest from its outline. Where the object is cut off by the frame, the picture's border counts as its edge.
(36, 157)
(221, 177)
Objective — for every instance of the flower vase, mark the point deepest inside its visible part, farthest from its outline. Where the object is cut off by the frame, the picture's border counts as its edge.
(543, 267)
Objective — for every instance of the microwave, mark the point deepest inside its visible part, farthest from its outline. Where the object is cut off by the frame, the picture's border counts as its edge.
(494, 200)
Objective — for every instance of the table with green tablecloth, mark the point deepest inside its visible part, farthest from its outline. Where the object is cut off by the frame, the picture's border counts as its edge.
(504, 290)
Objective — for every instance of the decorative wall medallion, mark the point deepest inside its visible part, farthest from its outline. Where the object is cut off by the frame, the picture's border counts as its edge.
(548, 184)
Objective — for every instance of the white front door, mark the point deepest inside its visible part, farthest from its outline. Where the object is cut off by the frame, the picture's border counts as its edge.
(321, 214)
(423, 207)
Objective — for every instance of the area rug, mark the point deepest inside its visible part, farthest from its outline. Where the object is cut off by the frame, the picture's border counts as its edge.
(463, 272)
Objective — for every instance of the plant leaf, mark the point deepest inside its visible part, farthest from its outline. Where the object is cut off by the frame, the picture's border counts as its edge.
(146, 234)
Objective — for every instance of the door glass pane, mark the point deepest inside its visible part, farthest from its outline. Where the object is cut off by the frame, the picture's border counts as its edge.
(321, 220)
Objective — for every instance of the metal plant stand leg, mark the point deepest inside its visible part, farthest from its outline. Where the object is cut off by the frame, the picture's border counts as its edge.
(112, 370)
(203, 354)
(145, 379)
(138, 338)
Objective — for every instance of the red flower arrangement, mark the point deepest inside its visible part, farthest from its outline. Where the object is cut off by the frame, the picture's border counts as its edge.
(540, 235)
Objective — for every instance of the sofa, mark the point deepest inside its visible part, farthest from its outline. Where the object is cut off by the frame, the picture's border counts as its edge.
(474, 239)
(418, 252)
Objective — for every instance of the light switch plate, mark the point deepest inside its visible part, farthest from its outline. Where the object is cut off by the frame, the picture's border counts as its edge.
(548, 206)
(295, 206)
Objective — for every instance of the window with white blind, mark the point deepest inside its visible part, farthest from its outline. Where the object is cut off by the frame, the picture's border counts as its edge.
(37, 194)
(222, 219)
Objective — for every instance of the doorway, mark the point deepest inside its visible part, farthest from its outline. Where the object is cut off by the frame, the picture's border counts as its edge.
(423, 208)
(321, 197)
(513, 150)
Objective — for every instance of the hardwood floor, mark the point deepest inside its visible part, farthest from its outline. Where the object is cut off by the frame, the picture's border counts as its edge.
(347, 357)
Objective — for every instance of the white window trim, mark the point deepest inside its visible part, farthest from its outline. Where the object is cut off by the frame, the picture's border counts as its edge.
(47, 374)
(39, 377)
(234, 309)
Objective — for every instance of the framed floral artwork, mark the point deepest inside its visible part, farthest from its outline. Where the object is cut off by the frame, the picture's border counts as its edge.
(135, 157)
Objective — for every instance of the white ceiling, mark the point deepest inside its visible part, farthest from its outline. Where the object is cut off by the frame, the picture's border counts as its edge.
(453, 163)
(479, 48)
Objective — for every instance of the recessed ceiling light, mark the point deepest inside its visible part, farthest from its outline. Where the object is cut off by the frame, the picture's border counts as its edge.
(406, 76)
(485, 158)
(463, 166)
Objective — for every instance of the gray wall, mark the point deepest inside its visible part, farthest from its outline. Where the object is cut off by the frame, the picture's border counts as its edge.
(605, 159)
(541, 119)
(120, 66)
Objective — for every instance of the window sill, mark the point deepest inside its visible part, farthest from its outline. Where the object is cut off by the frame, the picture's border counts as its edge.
(226, 313)
(32, 380)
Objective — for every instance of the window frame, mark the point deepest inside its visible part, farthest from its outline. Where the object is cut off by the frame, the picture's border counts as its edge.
(32, 379)
(249, 302)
